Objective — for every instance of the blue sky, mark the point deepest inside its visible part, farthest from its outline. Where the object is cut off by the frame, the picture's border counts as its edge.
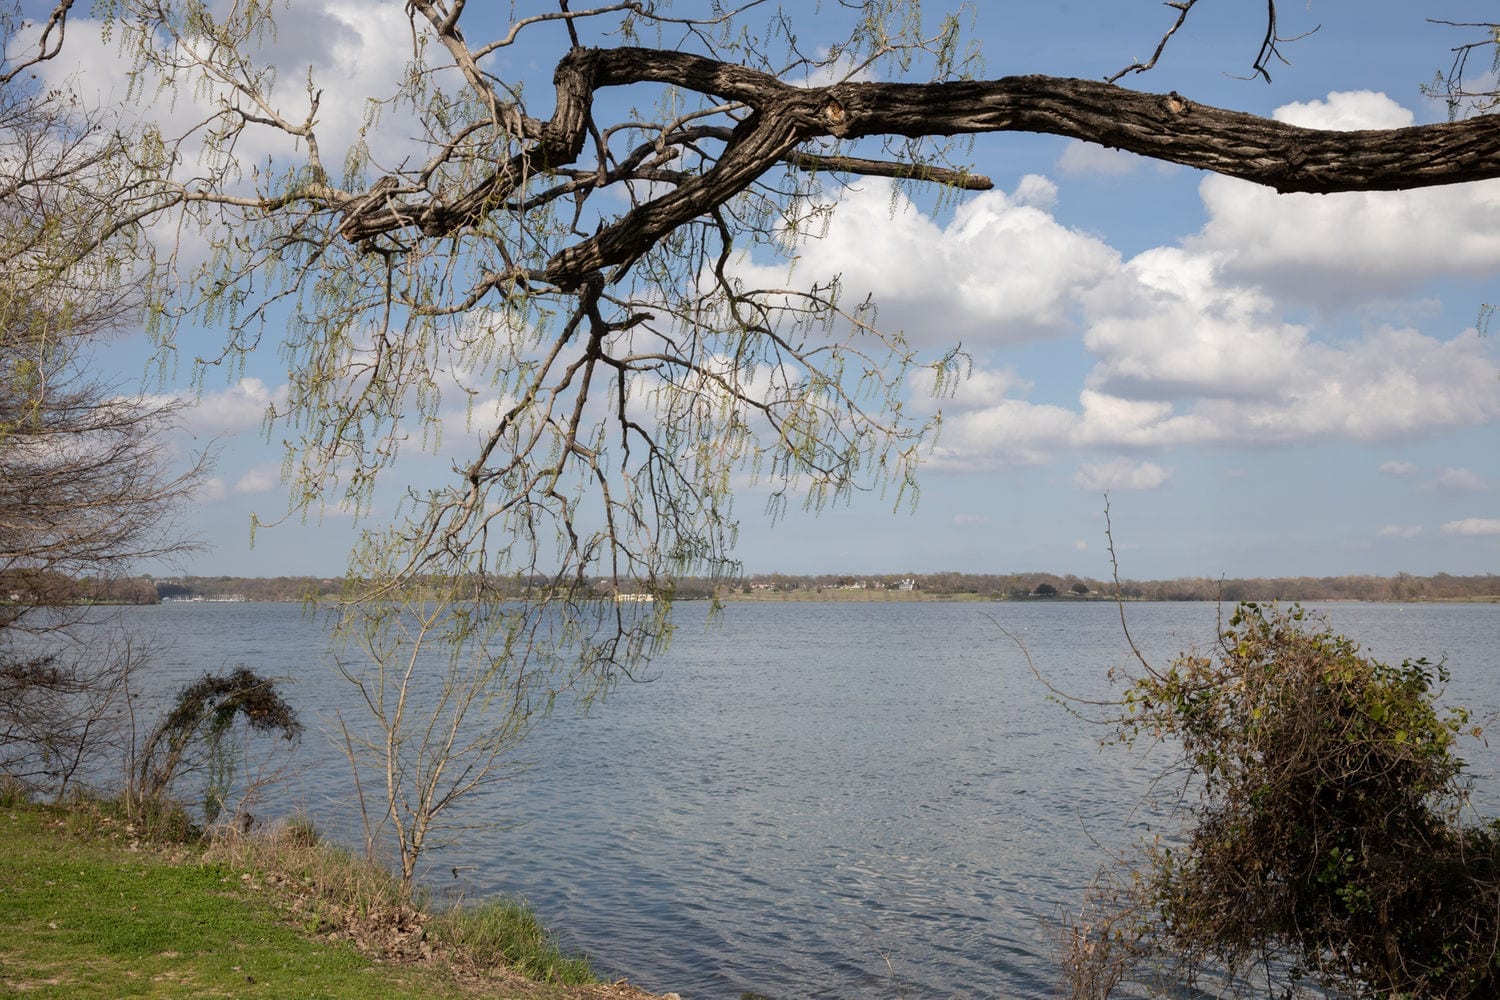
(1265, 385)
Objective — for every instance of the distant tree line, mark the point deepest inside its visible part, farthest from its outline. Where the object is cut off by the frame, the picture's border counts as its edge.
(1401, 587)
(45, 589)
(33, 588)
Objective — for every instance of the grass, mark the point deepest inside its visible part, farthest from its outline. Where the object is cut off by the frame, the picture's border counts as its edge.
(103, 920)
(92, 910)
(507, 932)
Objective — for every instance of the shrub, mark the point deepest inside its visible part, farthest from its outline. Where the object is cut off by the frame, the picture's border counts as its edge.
(1325, 843)
(194, 734)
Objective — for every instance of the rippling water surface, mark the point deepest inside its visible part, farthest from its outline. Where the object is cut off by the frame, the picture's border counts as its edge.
(825, 799)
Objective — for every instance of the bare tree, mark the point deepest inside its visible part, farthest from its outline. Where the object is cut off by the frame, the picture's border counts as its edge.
(85, 481)
(442, 712)
(87, 486)
(65, 708)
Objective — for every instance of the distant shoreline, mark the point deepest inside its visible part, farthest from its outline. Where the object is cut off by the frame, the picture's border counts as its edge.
(890, 587)
(831, 596)
(912, 597)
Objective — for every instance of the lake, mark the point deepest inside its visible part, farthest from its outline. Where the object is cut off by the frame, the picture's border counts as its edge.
(818, 799)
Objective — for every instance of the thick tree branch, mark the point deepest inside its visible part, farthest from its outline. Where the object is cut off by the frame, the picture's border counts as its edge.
(1170, 127)
(1166, 127)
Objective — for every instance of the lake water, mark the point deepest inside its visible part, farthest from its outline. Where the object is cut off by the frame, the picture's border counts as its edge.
(820, 799)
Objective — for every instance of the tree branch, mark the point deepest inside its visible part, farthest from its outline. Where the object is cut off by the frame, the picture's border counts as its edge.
(1165, 127)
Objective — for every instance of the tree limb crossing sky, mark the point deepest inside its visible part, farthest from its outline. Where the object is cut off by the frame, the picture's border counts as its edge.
(1265, 385)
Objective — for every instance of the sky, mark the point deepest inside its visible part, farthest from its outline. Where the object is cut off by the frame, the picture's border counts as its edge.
(1264, 385)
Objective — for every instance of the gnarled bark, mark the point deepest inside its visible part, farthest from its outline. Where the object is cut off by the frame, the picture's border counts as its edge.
(780, 118)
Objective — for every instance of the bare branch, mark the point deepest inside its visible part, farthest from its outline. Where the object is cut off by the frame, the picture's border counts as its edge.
(1183, 7)
(48, 45)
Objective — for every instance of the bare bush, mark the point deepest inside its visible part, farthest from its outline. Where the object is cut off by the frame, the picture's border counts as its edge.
(196, 736)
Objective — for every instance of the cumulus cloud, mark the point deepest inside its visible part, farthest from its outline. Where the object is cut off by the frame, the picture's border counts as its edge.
(1002, 270)
(349, 49)
(1173, 326)
(1121, 474)
(1006, 432)
(239, 407)
(211, 491)
(350, 52)
(1192, 345)
(1473, 526)
(843, 69)
(980, 388)
(1400, 531)
(1395, 385)
(1344, 248)
(1168, 325)
(1346, 111)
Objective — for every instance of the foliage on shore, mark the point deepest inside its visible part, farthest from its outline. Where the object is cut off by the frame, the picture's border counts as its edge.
(1328, 841)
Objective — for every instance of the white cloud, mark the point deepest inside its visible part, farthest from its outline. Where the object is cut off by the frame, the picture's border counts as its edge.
(1399, 531)
(1007, 432)
(1090, 158)
(844, 69)
(1473, 526)
(1461, 481)
(239, 407)
(211, 491)
(1352, 247)
(1121, 474)
(1002, 270)
(260, 479)
(1346, 111)
(353, 50)
(1174, 327)
(1192, 345)
(980, 388)
(1394, 385)
(970, 520)
(1169, 325)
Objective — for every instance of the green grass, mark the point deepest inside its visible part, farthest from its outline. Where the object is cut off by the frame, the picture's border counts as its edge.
(89, 911)
(506, 931)
(86, 920)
